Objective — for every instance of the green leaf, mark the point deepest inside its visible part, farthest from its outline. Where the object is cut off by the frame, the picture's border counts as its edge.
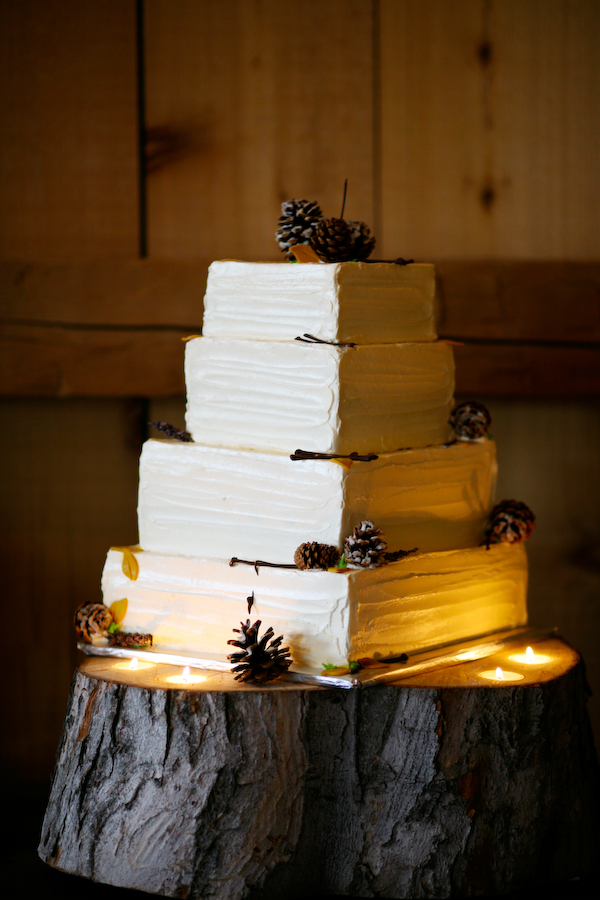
(342, 562)
(354, 666)
(113, 627)
(328, 666)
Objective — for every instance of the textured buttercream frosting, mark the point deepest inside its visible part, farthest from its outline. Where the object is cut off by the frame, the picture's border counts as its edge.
(202, 501)
(325, 617)
(278, 395)
(361, 302)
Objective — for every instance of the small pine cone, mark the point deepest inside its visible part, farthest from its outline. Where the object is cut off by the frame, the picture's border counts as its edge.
(364, 242)
(255, 663)
(333, 241)
(297, 223)
(316, 556)
(510, 522)
(92, 620)
(130, 639)
(470, 420)
(366, 546)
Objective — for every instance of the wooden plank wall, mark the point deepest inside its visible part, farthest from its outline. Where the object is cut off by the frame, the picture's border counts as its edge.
(469, 134)
(69, 164)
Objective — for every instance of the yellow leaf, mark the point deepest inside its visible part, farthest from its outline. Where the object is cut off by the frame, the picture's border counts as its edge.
(304, 253)
(345, 463)
(130, 564)
(118, 610)
(338, 670)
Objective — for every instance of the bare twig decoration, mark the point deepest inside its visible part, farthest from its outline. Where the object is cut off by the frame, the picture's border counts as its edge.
(311, 339)
(256, 563)
(355, 457)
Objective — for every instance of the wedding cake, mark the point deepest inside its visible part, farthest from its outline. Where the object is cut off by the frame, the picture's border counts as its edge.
(320, 487)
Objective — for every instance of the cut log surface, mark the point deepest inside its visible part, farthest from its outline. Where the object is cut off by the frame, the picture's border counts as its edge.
(437, 786)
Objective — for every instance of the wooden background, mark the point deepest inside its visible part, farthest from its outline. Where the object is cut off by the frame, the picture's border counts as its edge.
(141, 140)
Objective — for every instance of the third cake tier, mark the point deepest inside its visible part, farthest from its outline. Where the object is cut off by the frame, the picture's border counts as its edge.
(211, 502)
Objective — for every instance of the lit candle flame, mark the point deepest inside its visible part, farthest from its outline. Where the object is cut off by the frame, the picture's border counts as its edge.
(530, 655)
(134, 663)
(185, 675)
(499, 674)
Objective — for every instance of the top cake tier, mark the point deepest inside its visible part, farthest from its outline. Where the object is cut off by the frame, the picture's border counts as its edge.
(364, 303)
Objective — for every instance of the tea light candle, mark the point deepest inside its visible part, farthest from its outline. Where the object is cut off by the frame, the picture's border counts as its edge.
(133, 665)
(186, 677)
(500, 676)
(529, 658)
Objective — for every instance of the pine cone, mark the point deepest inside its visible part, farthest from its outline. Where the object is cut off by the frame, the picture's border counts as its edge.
(470, 420)
(130, 639)
(510, 522)
(364, 242)
(333, 241)
(92, 620)
(297, 223)
(255, 662)
(316, 556)
(365, 546)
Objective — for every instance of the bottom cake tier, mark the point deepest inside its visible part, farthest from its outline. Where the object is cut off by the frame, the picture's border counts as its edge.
(326, 617)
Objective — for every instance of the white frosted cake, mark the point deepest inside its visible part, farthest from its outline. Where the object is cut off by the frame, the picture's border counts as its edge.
(237, 489)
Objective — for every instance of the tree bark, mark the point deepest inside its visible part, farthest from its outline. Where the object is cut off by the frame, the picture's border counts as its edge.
(390, 791)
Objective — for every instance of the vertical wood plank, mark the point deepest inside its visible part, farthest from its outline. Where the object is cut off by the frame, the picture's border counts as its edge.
(68, 192)
(71, 494)
(548, 457)
(490, 124)
(249, 104)
(68, 143)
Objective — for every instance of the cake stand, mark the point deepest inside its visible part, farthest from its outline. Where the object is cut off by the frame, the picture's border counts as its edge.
(477, 778)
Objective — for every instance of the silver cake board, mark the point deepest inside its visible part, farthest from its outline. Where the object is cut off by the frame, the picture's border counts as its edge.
(439, 657)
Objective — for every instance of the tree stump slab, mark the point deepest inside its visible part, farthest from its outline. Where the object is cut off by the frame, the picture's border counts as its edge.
(436, 786)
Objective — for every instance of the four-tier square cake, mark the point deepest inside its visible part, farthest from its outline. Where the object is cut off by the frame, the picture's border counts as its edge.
(340, 361)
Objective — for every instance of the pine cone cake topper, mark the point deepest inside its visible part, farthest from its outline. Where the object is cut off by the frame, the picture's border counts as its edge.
(332, 240)
(297, 223)
(92, 621)
(255, 662)
(363, 240)
(366, 546)
(336, 240)
(316, 556)
(510, 522)
(470, 420)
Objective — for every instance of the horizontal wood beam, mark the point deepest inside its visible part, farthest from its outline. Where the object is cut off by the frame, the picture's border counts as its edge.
(37, 361)
(138, 292)
(113, 329)
(522, 301)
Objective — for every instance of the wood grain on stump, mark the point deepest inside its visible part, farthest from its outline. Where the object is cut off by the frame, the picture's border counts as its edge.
(435, 786)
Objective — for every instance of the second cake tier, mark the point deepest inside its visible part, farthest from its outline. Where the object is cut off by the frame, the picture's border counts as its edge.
(284, 395)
